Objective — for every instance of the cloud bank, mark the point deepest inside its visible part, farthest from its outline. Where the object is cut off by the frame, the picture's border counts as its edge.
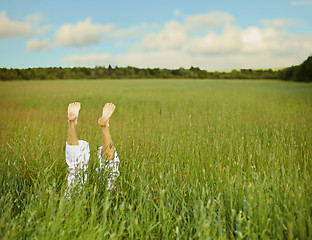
(211, 41)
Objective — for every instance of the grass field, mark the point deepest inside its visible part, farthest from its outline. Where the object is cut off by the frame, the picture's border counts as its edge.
(199, 160)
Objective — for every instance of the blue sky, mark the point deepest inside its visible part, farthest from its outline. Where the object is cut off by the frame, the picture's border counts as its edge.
(214, 35)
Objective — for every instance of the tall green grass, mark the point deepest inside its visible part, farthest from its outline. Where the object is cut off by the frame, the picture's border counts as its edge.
(199, 160)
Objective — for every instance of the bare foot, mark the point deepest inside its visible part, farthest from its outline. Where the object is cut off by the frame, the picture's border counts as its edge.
(108, 110)
(73, 111)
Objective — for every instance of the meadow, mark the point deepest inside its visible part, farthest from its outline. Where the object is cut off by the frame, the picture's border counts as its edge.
(200, 159)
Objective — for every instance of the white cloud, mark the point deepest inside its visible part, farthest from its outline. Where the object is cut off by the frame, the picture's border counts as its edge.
(211, 41)
(252, 40)
(172, 36)
(229, 41)
(225, 38)
(89, 60)
(302, 3)
(175, 35)
(13, 29)
(35, 45)
(87, 32)
(80, 34)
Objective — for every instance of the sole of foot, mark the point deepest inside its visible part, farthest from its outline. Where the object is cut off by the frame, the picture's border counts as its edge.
(108, 110)
(73, 111)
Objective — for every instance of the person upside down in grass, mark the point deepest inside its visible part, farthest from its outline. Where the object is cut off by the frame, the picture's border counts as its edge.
(78, 152)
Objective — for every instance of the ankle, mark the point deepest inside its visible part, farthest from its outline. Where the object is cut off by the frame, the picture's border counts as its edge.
(105, 126)
(72, 123)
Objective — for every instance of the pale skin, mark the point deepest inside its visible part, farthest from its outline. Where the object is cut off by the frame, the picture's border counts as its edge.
(107, 143)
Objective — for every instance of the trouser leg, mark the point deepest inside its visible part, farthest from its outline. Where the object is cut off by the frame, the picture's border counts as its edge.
(77, 159)
(110, 167)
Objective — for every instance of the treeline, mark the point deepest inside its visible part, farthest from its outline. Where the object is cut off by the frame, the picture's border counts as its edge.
(302, 72)
(129, 73)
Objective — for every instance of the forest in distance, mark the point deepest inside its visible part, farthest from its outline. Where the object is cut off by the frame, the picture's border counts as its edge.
(299, 73)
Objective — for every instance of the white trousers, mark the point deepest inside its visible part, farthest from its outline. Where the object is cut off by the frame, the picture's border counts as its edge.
(77, 159)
